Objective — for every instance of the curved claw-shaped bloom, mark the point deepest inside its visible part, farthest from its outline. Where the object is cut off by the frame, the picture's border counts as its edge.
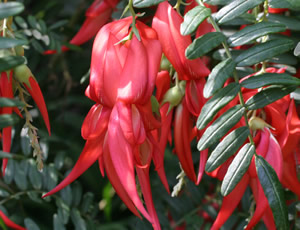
(6, 91)
(118, 128)
(167, 24)
(25, 77)
(114, 73)
(10, 223)
(97, 15)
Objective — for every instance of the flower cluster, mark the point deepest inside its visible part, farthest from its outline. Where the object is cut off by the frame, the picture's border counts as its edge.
(125, 130)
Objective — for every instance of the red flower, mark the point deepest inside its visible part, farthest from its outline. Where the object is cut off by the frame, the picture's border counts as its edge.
(25, 77)
(167, 24)
(97, 15)
(6, 91)
(118, 128)
(9, 223)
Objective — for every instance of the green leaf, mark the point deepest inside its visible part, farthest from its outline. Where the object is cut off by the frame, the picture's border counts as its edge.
(145, 3)
(10, 9)
(273, 191)
(63, 211)
(217, 2)
(253, 32)
(204, 44)
(66, 195)
(290, 22)
(226, 148)
(6, 43)
(10, 62)
(297, 50)
(244, 19)
(218, 76)
(20, 176)
(216, 103)
(34, 175)
(10, 171)
(30, 224)
(57, 223)
(77, 220)
(3, 193)
(221, 55)
(264, 51)
(50, 177)
(261, 80)
(237, 168)
(268, 96)
(8, 120)
(9, 102)
(220, 127)
(76, 193)
(291, 4)
(58, 24)
(193, 18)
(235, 9)
(5, 155)
(88, 199)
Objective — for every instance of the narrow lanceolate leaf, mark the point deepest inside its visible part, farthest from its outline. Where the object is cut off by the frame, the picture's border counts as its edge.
(8, 102)
(237, 168)
(10, 9)
(193, 18)
(220, 127)
(5, 155)
(297, 50)
(225, 149)
(9, 62)
(291, 23)
(218, 76)
(6, 43)
(261, 80)
(268, 96)
(273, 191)
(145, 3)
(8, 120)
(217, 102)
(264, 51)
(204, 44)
(235, 9)
(253, 32)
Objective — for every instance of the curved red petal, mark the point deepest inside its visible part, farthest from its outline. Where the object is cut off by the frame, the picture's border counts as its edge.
(121, 154)
(96, 122)
(182, 130)
(91, 152)
(36, 94)
(143, 175)
(115, 181)
(230, 202)
(9, 223)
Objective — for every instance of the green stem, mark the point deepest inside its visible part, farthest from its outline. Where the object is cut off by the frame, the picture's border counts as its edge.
(235, 77)
(133, 26)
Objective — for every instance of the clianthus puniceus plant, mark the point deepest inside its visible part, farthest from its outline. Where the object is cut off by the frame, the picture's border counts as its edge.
(177, 76)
